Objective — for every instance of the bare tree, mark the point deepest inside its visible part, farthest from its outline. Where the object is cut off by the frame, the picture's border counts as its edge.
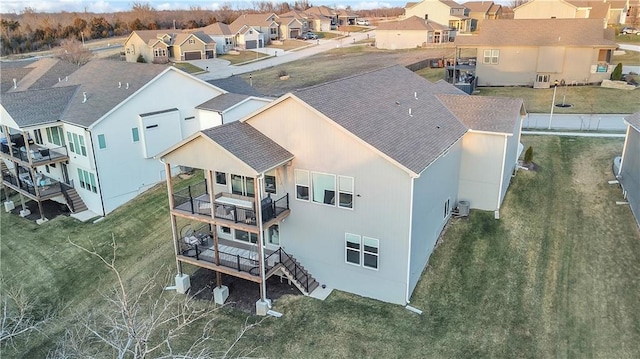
(71, 50)
(19, 317)
(143, 324)
(515, 3)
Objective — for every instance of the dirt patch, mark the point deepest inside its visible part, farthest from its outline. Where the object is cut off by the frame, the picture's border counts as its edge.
(50, 209)
(243, 294)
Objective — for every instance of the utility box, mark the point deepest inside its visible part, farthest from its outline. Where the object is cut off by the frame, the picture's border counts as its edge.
(183, 283)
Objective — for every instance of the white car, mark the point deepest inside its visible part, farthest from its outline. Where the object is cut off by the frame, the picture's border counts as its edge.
(362, 22)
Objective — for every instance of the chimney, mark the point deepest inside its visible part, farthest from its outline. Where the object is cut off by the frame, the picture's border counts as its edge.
(15, 83)
(84, 97)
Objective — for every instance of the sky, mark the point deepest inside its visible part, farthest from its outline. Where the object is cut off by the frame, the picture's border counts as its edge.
(16, 6)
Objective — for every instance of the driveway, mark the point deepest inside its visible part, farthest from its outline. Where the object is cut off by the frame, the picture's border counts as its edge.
(211, 65)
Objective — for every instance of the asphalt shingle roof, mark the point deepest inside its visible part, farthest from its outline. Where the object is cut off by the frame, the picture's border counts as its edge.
(412, 23)
(249, 145)
(40, 106)
(481, 113)
(9, 73)
(376, 106)
(217, 28)
(222, 102)
(526, 32)
(99, 79)
(235, 84)
(634, 120)
(478, 6)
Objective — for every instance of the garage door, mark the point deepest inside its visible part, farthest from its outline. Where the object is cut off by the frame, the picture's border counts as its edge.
(192, 55)
(251, 44)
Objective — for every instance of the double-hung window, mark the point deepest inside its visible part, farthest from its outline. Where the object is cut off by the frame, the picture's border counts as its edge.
(491, 57)
(345, 191)
(361, 250)
(302, 184)
(76, 143)
(87, 180)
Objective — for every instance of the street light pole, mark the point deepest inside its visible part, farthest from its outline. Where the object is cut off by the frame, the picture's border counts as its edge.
(553, 102)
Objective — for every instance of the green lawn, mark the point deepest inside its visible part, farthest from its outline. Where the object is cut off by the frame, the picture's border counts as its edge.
(628, 39)
(291, 44)
(242, 56)
(556, 276)
(586, 99)
(187, 67)
(628, 58)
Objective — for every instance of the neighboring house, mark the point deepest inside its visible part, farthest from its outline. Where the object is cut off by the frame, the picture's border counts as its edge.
(445, 12)
(94, 133)
(609, 11)
(324, 12)
(222, 35)
(482, 10)
(296, 22)
(629, 173)
(365, 222)
(255, 30)
(410, 33)
(346, 17)
(159, 46)
(519, 53)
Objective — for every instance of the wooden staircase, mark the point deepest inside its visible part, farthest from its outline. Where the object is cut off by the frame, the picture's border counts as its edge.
(74, 202)
(293, 270)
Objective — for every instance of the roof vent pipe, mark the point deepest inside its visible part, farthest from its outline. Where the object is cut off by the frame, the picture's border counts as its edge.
(127, 85)
(84, 97)
(410, 114)
(15, 83)
(415, 95)
(66, 78)
(59, 79)
(119, 84)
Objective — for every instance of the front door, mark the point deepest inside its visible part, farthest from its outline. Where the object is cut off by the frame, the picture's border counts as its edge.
(542, 81)
(65, 173)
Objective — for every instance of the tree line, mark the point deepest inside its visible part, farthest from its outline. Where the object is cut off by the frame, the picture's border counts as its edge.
(31, 30)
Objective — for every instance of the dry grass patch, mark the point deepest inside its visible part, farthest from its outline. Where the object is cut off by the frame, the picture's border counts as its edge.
(243, 56)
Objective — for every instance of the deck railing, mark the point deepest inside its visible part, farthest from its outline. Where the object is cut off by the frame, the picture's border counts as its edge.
(37, 153)
(192, 200)
(239, 262)
(48, 188)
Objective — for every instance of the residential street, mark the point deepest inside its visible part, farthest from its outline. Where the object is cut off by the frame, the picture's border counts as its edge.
(221, 69)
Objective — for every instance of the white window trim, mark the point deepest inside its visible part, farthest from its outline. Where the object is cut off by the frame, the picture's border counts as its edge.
(494, 54)
(335, 192)
(347, 249)
(225, 178)
(308, 185)
(352, 193)
(377, 255)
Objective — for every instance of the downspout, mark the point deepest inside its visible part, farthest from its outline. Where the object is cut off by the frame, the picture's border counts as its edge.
(504, 157)
(624, 150)
(408, 284)
(95, 164)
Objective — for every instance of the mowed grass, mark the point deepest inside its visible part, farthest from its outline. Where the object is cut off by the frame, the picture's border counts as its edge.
(242, 57)
(631, 58)
(557, 276)
(585, 99)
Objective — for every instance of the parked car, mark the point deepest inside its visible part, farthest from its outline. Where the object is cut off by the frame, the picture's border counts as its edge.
(307, 36)
(362, 22)
(630, 31)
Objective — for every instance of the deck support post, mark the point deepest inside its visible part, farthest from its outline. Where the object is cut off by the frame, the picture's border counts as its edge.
(257, 184)
(174, 226)
(214, 229)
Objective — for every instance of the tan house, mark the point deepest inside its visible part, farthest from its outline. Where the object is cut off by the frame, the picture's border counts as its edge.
(221, 34)
(410, 33)
(158, 46)
(324, 12)
(482, 10)
(518, 53)
(255, 30)
(609, 11)
(446, 12)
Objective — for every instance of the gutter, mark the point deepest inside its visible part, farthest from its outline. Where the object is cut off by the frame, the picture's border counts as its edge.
(408, 284)
(504, 157)
(95, 164)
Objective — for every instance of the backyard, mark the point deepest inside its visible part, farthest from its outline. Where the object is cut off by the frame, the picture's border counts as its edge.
(556, 276)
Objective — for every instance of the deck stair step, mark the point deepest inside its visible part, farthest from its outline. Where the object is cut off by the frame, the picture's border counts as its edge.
(77, 204)
(293, 270)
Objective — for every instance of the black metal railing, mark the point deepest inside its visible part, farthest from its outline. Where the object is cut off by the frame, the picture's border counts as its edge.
(37, 153)
(239, 262)
(47, 186)
(300, 274)
(65, 188)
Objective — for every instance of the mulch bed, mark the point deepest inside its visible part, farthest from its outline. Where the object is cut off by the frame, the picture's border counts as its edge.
(243, 294)
(50, 209)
